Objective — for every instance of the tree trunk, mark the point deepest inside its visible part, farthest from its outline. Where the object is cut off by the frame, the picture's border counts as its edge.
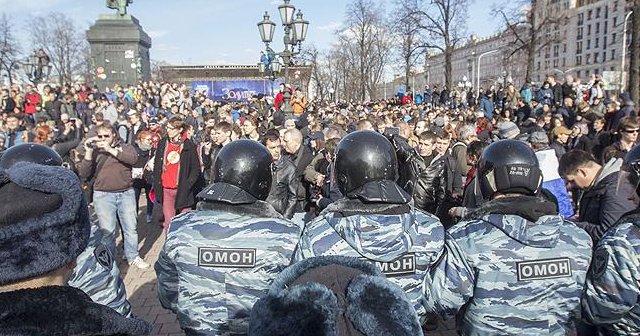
(531, 48)
(634, 54)
(448, 68)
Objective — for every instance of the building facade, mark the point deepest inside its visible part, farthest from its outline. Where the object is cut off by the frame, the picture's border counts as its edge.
(586, 42)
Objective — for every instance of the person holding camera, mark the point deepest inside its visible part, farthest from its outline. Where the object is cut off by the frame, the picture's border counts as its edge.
(108, 162)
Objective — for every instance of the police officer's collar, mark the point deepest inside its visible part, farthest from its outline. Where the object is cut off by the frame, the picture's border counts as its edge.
(256, 209)
(227, 193)
(383, 191)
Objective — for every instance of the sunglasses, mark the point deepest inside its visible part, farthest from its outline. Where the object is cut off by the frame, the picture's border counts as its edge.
(631, 131)
(103, 136)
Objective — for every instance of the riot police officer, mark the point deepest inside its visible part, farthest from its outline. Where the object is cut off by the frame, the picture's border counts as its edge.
(221, 258)
(611, 297)
(375, 220)
(96, 272)
(514, 264)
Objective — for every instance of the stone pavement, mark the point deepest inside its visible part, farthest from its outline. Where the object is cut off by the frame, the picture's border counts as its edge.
(141, 285)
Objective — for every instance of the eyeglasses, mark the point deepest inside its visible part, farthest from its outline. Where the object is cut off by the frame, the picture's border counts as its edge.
(631, 131)
(103, 136)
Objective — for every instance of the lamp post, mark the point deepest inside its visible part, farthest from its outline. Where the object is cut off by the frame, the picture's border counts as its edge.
(624, 50)
(478, 67)
(295, 32)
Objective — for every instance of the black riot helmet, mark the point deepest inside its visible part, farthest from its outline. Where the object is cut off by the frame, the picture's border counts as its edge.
(30, 152)
(509, 166)
(242, 174)
(367, 168)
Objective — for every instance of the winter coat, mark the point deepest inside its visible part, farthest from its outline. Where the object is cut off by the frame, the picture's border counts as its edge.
(62, 310)
(512, 252)
(487, 106)
(606, 201)
(402, 241)
(282, 195)
(190, 178)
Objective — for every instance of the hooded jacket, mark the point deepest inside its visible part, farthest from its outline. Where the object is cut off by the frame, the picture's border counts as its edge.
(605, 201)
(515, 267)
(402, 241)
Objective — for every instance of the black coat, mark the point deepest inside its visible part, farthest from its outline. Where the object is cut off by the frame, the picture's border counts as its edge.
(282, 195)
(191, 181)
(62, 310)
(604, 203)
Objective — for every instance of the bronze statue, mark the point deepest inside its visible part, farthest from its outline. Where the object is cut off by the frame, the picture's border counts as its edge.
(120, 5)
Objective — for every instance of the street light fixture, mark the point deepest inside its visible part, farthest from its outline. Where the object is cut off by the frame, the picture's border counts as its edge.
(295, 32)
(478, 67)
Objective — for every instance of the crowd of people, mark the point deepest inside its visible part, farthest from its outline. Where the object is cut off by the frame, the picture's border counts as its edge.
(515, 211)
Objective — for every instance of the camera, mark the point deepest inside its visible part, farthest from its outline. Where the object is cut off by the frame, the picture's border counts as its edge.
(91, 144)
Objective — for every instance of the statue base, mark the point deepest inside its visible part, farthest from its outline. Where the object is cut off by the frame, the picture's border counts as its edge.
(119, 51)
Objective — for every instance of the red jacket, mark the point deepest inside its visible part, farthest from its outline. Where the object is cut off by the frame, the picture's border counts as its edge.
(31, 100)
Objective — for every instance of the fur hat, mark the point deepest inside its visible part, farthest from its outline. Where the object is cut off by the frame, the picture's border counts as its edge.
(333, 295)
(44, 220)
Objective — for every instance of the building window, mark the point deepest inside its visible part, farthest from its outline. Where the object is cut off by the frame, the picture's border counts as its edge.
(564, 47)
(578, 60)
(597, 27)
(613, 54)
(588, 30)
(604, 42)
(598, 13)
(588, 44)
(564, 62)
(580, 19)
(538, 66)
(597, 42)
(556, 49)
(604, 56)
(589, 13)
(615, 6)
(555, 63)
(580, 33)
(613, 38)
(606, 26)
(587, 60)
(595, 58)
(615, 21)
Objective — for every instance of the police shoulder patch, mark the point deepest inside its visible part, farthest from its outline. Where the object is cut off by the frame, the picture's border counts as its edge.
(225, 257)
(103, 256)
(401, 266)
(600, 261)
(543, 269)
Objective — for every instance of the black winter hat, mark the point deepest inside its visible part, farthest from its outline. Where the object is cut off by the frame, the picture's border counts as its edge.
(333, 295)
(44, 220)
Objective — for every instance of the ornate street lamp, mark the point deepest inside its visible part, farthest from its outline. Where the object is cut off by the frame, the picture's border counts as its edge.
(295, 32)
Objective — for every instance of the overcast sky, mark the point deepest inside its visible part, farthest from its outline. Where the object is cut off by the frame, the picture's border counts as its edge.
(197, 32)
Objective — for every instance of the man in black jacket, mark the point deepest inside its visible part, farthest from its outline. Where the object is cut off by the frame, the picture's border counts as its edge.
(301, 156)
(605, 196)
(282, 195)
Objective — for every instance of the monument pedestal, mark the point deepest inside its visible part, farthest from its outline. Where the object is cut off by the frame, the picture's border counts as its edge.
(119, 51)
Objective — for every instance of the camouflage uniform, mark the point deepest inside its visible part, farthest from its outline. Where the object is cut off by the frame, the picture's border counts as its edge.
(613, 285)
(218, 261)
(97, 274)
(512, 275)
(402, 241)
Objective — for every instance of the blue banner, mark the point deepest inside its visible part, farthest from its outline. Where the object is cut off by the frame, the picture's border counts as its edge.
(233, 90)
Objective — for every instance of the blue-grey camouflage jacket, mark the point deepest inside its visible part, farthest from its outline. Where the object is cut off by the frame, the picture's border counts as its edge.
(218, 261)
(402, 241)
(612, 297)
(511, 275)
(97, 274)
